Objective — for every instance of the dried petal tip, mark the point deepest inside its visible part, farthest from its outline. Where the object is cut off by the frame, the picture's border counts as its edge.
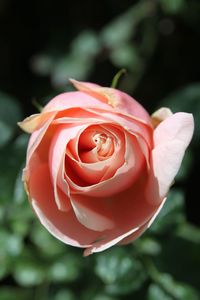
(29, 124)
(160, 115)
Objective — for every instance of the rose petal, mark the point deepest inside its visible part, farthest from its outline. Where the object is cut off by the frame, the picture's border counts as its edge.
(129, 123)
(160, 115)
(63, 225)
(171, 139)
(90, 168)
(35, 122)
(127, 236)
(142, 228)
(104, 244)
(124, 176)
(57, 159)
(37, 137)
(71, 100)
(95, 220)
(118, 100)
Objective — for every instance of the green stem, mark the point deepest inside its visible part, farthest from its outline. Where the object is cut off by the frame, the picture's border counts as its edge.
(37, 105)
(117, 77)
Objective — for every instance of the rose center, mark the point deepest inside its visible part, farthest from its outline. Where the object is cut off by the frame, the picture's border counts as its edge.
(104, 144)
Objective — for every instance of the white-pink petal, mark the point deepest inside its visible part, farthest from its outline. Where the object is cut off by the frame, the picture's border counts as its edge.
(171, 138)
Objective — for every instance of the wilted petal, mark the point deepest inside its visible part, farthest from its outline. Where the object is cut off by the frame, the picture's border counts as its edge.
(35, 122)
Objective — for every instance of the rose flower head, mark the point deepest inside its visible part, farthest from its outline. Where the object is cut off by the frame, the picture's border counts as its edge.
(98, 167)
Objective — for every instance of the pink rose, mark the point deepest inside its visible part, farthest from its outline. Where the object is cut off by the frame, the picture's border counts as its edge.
(97, 172)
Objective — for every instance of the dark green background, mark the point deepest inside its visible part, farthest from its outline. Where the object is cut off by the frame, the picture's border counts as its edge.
(42, 44)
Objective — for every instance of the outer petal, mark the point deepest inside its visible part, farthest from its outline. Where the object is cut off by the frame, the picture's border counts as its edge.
(73, 99)
(63, 225)
(36, 138)
(128, 210)
(160, 115)
(142, 228)
(116, 99)
(35, 122)
(171, 139)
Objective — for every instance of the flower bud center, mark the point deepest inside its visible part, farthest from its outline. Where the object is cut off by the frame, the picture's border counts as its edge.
(104, 144)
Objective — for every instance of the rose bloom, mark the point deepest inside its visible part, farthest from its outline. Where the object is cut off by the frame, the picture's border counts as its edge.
(98, 167)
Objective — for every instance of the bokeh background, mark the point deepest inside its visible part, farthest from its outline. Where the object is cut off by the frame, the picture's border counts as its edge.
(42, 44)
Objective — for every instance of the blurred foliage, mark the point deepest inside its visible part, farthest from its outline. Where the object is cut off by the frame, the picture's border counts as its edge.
(165, 262)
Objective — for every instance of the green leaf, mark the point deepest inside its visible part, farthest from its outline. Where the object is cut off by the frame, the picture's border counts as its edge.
(177, 290)
(11, 159)
(147, 245)
(180, 291)
(45, 242)
(28, 273)
(19, 194)
(11, 293)
(126, 56)
(179, 257)
(10, 244)
(155, 292)
(42, 64)
(86, 44)
(66, 268)
(189, 232)
(64, 294)
(172, 6)
(120, 271)
(71, 66)
(104, 297)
